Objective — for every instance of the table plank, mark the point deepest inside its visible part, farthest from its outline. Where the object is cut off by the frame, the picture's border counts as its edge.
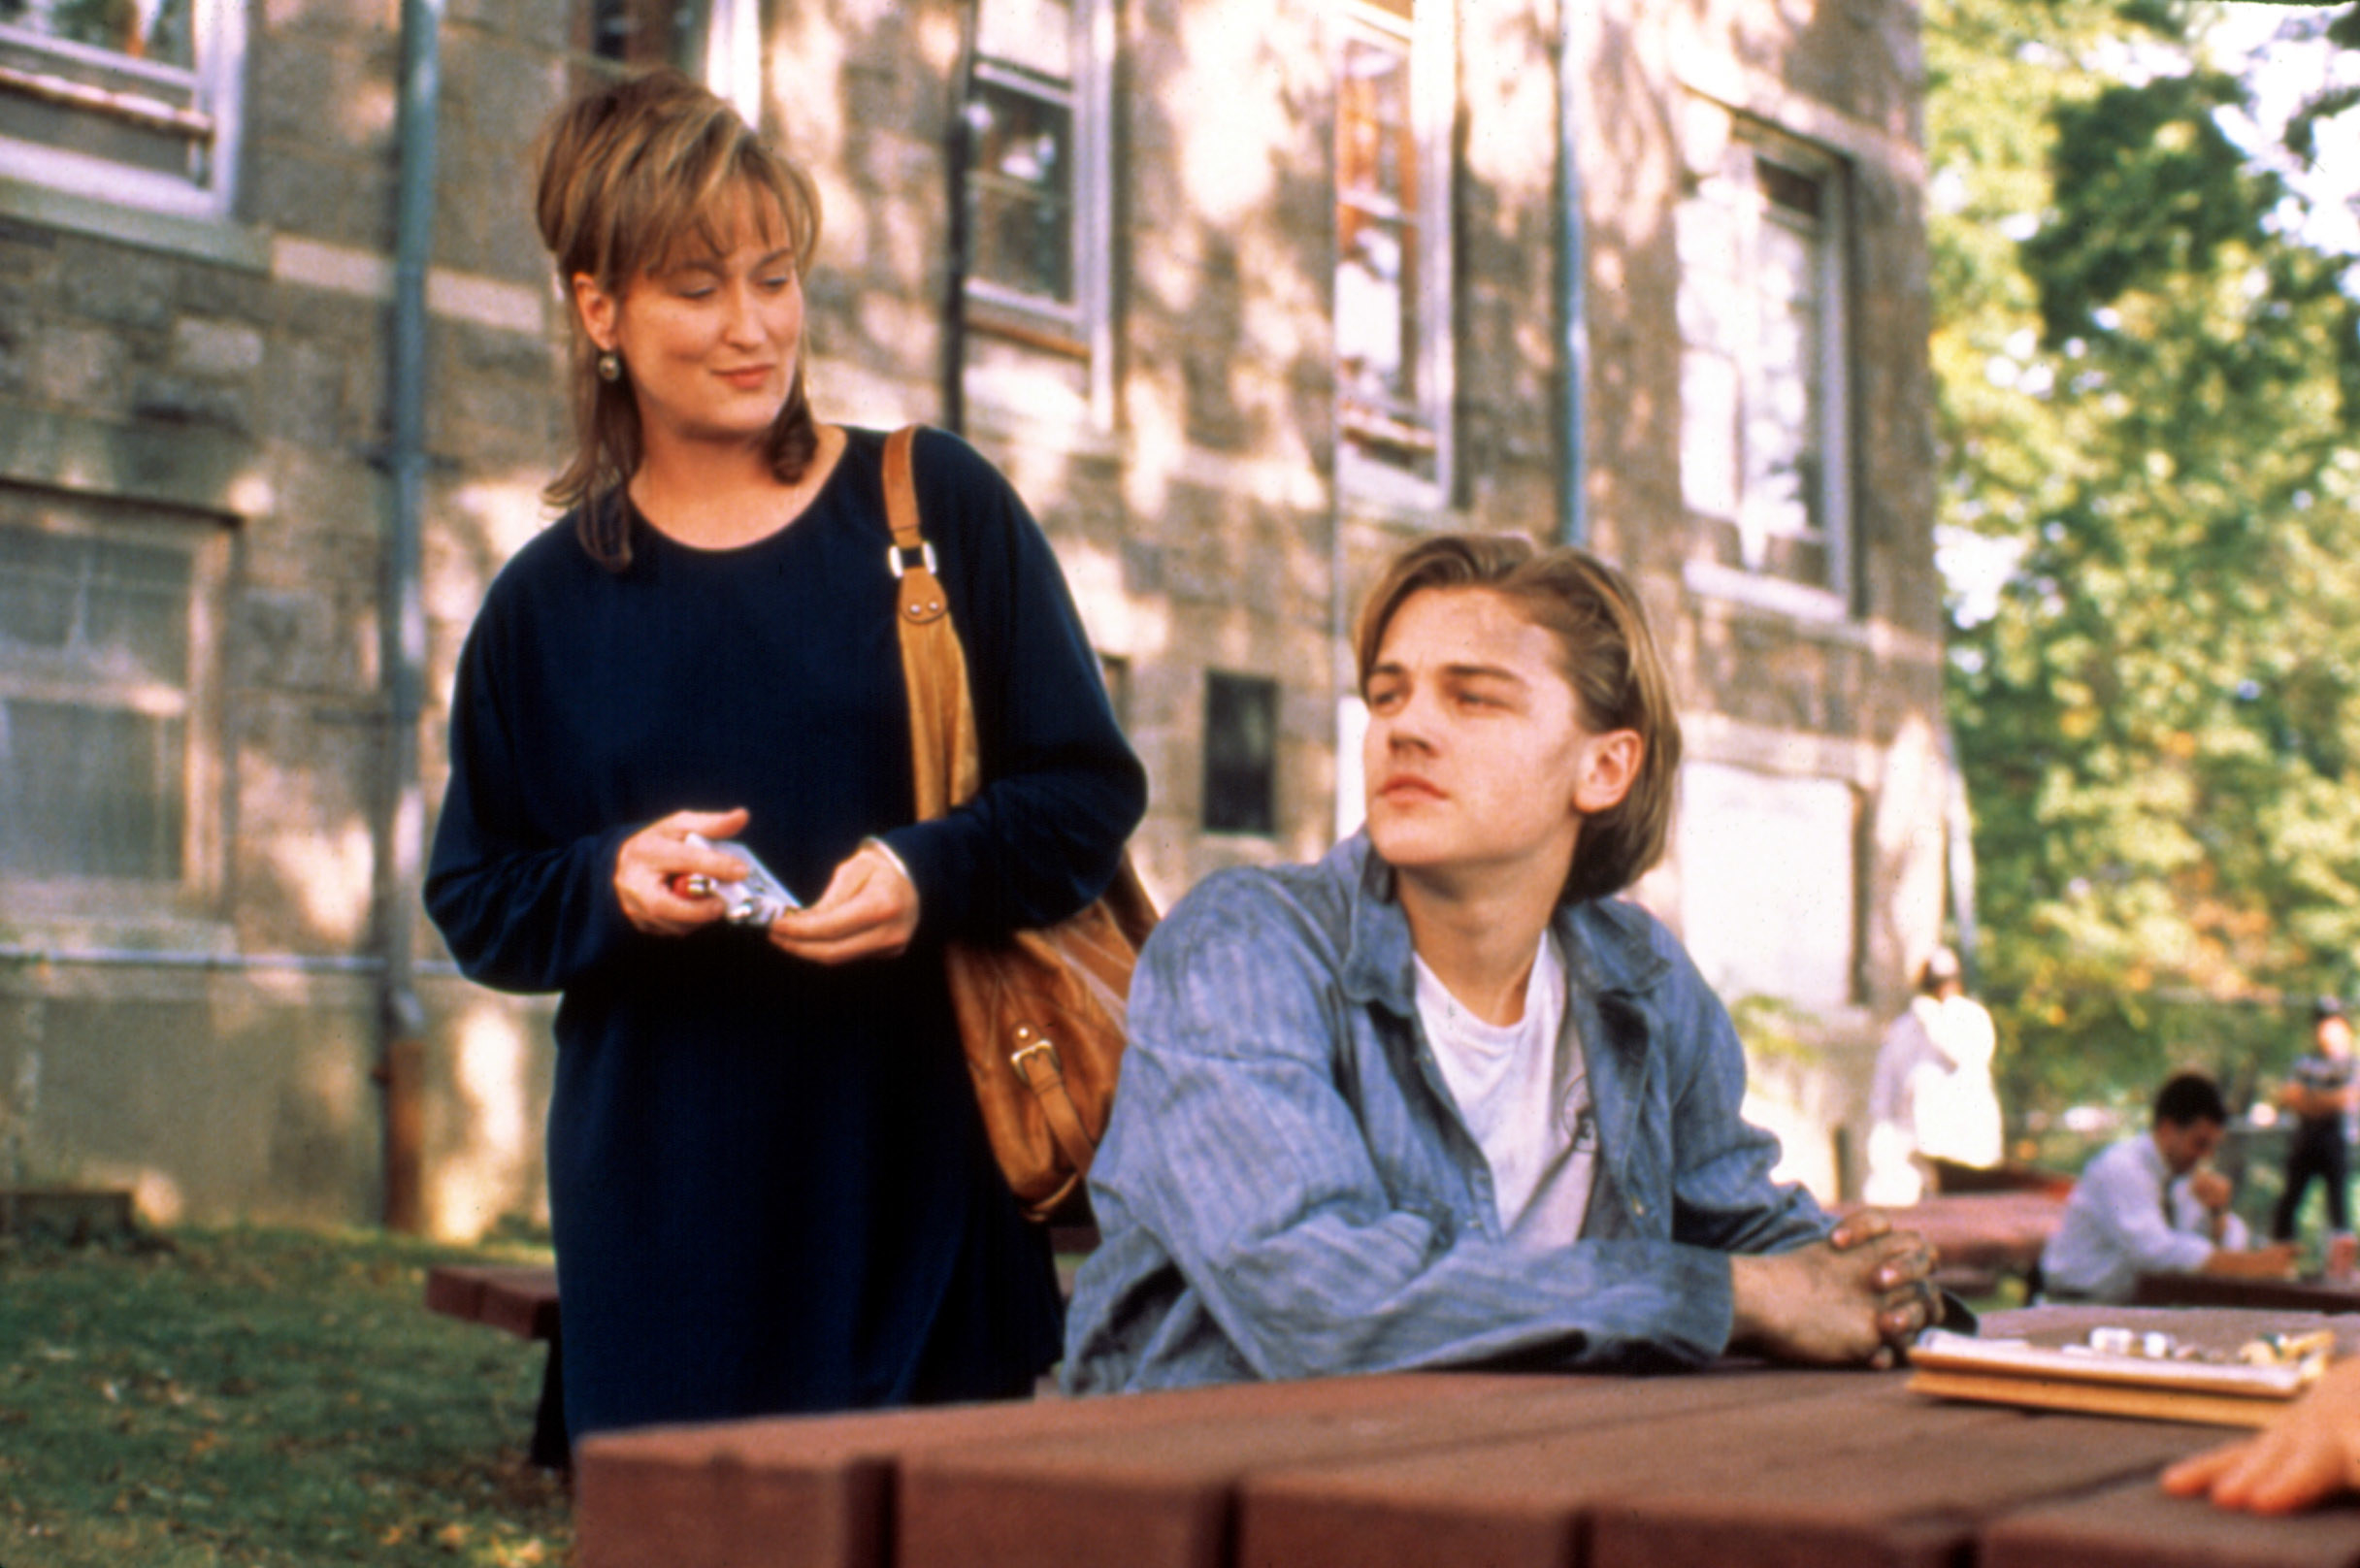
(2135, 1526)
(519, 1298)
(1166, 1499)
(816, 1491)
(1877, 1476)
(2233, 1291)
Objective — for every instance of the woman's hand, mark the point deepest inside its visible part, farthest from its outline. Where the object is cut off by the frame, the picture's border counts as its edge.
(868, 911)
(2310, 1452)
(653, 860)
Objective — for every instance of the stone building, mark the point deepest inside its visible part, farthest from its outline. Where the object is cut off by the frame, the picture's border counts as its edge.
(1242, 296)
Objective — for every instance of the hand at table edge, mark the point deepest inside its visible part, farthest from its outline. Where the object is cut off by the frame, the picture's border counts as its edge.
(2309, 1453)
(1856, 1298)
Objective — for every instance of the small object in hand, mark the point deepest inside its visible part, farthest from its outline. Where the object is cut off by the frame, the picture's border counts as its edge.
(755, 900)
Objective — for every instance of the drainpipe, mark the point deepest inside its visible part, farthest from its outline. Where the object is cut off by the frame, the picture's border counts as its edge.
(958, 151)
(1572, 290)
(400, 1070)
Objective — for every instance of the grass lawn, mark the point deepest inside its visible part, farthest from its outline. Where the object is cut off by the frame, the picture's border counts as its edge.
(268, 1397)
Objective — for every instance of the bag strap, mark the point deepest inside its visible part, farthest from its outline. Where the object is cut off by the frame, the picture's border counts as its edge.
(934, 666)
(942, 745)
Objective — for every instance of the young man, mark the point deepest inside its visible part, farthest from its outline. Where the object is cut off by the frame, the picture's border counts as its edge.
(1439, 1100)
(2320, 1094)
(2145, 1206)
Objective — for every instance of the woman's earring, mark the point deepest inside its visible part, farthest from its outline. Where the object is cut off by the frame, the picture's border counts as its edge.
(609, 366)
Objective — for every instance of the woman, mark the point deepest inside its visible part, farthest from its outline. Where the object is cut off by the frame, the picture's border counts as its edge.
(768, 1181)
(1442, 1099)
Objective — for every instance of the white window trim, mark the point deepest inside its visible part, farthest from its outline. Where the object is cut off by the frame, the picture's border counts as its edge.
(733, 55)
(1089, 321)
(1432, 38)
(1834, 598)
(219, 31)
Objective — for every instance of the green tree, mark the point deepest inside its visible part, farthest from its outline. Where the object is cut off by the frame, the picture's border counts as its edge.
(2146, 387)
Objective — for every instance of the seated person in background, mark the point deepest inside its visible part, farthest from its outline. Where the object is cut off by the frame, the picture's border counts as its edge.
(1440, 1099)
(2310, 1452)
(2150, 1206)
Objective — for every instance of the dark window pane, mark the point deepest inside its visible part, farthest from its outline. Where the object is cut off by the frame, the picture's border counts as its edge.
(1240, 754)
(1019, 192)
(642, 33)
(157, 31)
(1786, 187)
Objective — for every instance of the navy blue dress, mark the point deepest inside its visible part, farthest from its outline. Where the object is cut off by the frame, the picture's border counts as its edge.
(769, 1183)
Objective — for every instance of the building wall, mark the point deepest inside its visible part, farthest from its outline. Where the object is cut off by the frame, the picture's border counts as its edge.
(215, 1048)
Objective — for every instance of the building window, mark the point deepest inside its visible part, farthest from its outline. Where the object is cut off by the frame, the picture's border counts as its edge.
(1240, 754)
(1764, 420)
(1038, 213)
(718, 42)
(133, 101)
(103, 644)
(1392, 284)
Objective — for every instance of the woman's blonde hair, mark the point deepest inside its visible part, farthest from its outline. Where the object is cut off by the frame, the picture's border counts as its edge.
(1608, 656)
(633, 174)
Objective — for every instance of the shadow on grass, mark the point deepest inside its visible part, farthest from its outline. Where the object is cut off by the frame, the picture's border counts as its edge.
(261, 1397)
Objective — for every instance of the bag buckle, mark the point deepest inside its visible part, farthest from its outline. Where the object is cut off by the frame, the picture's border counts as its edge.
(1031, 1046)
(895, 563)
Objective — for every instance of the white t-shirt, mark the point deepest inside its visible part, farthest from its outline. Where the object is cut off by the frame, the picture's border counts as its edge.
(1523, 1091)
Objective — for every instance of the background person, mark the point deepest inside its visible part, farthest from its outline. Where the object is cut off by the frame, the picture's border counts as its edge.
(2148, 1205)
(768, 1181)
(1932, 1096)
(2320, 1095)
(1441, 1099)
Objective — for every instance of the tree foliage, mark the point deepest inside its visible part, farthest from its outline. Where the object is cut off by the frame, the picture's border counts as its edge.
(2147, 386)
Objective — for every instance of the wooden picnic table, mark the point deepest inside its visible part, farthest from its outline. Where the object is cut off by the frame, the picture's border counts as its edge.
(2240, 1290)
(520, 1300)
(1736, 1466)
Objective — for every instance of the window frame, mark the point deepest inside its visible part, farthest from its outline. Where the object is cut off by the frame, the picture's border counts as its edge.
(1427, 36)
(204, 102)
(1082, 331)
(207, 543)
(1731, 181)
(726, 57)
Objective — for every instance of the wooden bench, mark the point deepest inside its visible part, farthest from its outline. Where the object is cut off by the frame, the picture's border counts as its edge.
(519, 1300)
(1982, 1238)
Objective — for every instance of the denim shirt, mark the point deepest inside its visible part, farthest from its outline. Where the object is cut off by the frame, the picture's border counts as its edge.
(1286, 1189)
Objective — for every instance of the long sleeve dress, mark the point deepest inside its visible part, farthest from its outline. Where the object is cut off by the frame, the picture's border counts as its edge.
(769, 1183)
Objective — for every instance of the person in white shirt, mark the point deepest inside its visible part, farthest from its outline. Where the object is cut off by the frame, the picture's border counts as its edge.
(2149, 1205)
(1932, 1096)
